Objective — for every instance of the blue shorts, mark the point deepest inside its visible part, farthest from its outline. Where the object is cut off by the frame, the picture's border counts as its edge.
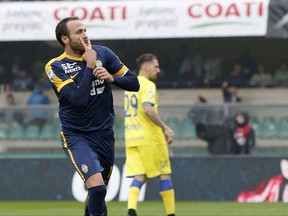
(90, 153)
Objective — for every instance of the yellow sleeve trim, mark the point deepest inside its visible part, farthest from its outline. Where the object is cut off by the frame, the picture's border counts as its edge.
(121, 71)
(63, 84)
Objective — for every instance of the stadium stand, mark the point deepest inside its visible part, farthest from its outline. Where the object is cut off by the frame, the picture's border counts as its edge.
(268, 116)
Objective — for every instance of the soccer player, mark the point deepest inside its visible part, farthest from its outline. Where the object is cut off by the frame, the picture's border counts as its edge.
(147, 138)
(81, 78)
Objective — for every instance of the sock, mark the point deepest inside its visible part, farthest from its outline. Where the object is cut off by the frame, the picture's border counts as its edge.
(86, 210)
(167, 193)
(96, 202)
(133, 194)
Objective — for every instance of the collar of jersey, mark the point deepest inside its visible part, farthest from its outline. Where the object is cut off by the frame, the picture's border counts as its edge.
(72, 57)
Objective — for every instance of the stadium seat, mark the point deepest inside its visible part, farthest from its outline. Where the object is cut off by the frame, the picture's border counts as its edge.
(188, 130)
(254, 121)
(57, 131)
(282, 127)
(119, 127)
(4, 129)
(119, 132)
(16, 132)
(32, 132)
(47, 132)
(176, 125)
(267, 128)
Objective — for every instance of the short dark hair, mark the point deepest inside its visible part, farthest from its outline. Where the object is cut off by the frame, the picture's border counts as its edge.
(145, 58)
(62, 30)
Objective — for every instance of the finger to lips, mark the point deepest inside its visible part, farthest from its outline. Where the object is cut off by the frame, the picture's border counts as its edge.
(86, 46)
(82, 42)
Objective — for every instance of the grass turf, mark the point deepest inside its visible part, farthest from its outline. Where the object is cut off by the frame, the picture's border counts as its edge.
(61, 208)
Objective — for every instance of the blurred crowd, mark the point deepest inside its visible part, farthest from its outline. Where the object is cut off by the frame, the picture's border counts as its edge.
(197, 70)
(190, 66)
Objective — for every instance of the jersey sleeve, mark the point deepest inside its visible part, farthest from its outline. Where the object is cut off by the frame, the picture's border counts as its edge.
(77, 95)
(114, 64)
(56, 76)
(149, 93)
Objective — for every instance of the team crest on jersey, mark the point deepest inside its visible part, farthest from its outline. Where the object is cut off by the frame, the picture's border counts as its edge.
(84, 168)
(150, 89)
(99, 63)
(51, 74)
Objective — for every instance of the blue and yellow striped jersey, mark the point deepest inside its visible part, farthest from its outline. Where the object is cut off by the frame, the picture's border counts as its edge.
(139, 129)
(85, 102)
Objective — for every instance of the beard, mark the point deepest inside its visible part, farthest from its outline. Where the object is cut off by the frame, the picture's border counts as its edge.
(77, 48)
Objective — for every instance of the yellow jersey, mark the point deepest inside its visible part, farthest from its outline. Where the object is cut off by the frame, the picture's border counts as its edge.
(139, 129)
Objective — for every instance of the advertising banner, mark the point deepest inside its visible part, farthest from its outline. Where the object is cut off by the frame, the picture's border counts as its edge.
(278, 19)
(227, 178)
(34, 21)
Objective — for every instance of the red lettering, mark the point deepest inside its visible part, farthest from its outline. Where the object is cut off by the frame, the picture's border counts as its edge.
(56, 13)
(112, 12)
(81, 12)
(124, 13)
(92, 13)
(190, 11)
(248, 8)
(97, 14)
(260, 9)
(232, 11)
(213, 10)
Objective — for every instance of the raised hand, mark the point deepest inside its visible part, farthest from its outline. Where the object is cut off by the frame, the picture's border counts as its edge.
(89, 55)
(102, 73)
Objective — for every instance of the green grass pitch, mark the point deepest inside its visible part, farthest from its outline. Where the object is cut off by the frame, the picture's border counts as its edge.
(61, 208)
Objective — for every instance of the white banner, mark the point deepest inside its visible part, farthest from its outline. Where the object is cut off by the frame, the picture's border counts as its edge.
(136, 19)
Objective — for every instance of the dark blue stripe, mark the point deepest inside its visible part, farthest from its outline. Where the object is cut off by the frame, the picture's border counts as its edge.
(165, 185)
(136, 183)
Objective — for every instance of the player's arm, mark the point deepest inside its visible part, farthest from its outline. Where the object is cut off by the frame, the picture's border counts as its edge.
(127, 81)
(155, 118)
(78, 95)
(116, 73)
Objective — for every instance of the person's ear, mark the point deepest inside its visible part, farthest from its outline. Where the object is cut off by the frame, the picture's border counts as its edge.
(64, 39)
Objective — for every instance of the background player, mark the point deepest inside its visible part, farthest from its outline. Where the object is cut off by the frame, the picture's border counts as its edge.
(81, 78)
(146, 137)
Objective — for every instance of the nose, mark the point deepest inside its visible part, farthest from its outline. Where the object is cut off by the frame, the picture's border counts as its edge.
(84, 34)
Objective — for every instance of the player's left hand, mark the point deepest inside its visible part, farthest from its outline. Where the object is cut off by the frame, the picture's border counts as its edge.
(169, 134)
(102, 73)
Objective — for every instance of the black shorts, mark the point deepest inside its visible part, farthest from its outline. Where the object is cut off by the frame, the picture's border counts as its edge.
(90, 153)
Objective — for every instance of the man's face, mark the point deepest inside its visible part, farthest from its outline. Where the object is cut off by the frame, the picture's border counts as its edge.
(240, 119)
(153, 69)
(76, 30)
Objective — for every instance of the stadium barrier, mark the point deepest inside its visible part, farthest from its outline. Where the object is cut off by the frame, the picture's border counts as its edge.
(210, 178)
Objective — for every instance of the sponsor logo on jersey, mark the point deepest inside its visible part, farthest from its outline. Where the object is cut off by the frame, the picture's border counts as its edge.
(71, 68)
(97, 87)
(72, 77)
(51, 74)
